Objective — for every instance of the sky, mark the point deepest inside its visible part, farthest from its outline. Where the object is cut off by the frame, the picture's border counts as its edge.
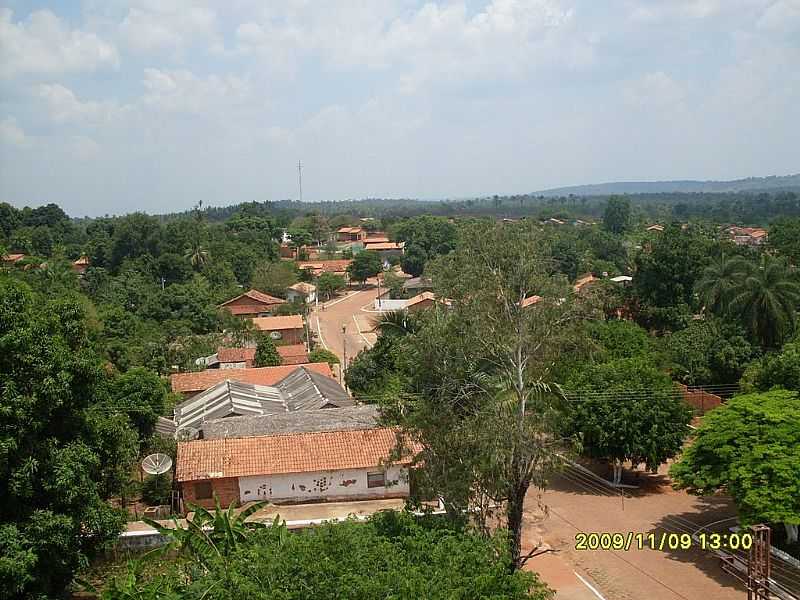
(108, 106)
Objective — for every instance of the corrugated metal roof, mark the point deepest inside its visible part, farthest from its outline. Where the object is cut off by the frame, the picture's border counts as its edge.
(306, 390)
(228, 398)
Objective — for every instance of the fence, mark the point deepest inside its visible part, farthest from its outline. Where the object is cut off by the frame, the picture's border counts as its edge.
(699, 399)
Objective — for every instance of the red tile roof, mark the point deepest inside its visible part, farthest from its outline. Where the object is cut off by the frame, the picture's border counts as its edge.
(420, 298)
(293, 354)
(12, 258)
(529, 301)
(326, 266)
(202, 380)
(233, 355)
(260, 299)
(278, 323)
(349, 230)
(383, 245)
(291, 453)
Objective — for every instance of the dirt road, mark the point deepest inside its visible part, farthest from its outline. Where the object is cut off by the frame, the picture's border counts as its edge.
(328, 319)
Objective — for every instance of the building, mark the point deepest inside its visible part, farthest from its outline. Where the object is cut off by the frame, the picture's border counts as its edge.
(12, 259)
(351, 234)
(416, 285)
(292, 467)
(191, 384)
(747, 236)
(293, 354)
(287, 329)
(318, 267)
(530, 301)
(301, 389)
(386, 249)
(583, 282)
(252, 304)
(80, 265)
(420, 302)
(302, 292)
(656, 228)
(242, 358)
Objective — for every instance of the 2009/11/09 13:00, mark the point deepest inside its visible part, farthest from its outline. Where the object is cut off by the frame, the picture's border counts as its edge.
(665, 540)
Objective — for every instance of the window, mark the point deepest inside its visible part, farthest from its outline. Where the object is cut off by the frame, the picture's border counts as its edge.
(375, 480)
(275, 335)
(202, 490)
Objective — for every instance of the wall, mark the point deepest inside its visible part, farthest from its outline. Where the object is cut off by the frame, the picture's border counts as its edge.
(290, 336)
(700, 400)
(328, 485)
(226, 489)
(389, 305)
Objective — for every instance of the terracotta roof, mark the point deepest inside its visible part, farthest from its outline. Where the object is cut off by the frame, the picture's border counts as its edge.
(583, 281)
(232, 355)
(258, 297)
(83, 260)
(12, 258)
(279, 454)
(278, 323)
(420, 298)
(529, 301)
(383, 245)
(349, 230)
(655, 227)
(326, 266)
(293, 354)
(375, 239)
(203, 380)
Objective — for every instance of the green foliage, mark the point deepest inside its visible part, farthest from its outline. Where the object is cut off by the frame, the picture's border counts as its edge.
(777, 369)
(617, 216)
(141, 394)
(709, 352)
(157, 489)
(619, 339)
(394, 283)
(329, 284)
(365, 265)
(784, 237)
(750, 448)
(393, 555)
(274, 277)
(628, 409)
(414, 260)
(321, 355)
(60, 456)
(266, 354)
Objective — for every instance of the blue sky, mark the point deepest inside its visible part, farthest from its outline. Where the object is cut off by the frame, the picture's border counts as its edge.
(109, 106)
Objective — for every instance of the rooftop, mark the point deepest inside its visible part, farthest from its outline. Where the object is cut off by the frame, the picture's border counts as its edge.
(278, 323)
(303, 287)
(328, 419)
(235, 355)
(280, 454)
(293, 354)
(202, 380)
(257, 296)
(383, 245)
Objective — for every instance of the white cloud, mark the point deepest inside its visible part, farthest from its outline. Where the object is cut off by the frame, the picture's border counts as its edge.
(655, 91)
(83, 147)
(42, 44)
(64, 106)
(783, 15)
(167, 25)
(11, 133)
(183, 91)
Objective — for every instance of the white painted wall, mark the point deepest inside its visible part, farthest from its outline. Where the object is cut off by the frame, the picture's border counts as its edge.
(322, 484)
(389, 305)
(292, 295)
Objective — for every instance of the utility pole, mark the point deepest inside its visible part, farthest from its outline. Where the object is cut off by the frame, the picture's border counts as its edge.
(758, 564)
(344, 350)
(300, 178)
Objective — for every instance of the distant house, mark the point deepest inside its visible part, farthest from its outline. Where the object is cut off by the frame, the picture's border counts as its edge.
(530, 301)
(252, 304)
(301, 389)
(386, 249)
(190, 384)
(292, 467)
(80, 265)
(12, 259)
(302, 292)
(288, 329)
(318, 267)
(293, 354)
(553, 221)
(416, 285)
(243, 358)
(657, 228)
(375, 237)
(583, 282)
(420, 302)
(622, 279)
(747, 236)
(350, 234)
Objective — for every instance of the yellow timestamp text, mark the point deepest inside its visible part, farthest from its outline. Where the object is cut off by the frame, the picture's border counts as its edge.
(662, 540)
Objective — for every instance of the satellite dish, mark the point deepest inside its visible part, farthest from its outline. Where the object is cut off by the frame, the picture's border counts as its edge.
(155, 464)
(187, 433)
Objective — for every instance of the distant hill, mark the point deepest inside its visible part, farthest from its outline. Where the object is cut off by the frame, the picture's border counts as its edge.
(751, 184)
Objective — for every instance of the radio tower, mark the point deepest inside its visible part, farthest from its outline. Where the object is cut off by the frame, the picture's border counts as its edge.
(300, 178)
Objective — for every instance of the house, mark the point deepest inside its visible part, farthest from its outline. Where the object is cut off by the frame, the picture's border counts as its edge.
(747, 236)
(420, 302)
(318, 267)
(622, 279)
(584, 281)
(293, 354)
(301, 389)
(386, 249)
(350, 234)
(252, 304)
(657, 228)
(349, 464)
(288, 329)
(190, 384)
(287, 251)
(416, 285)
(376, 237)
(302, 292)
(80, 265)
(530, 301)
(12, 259)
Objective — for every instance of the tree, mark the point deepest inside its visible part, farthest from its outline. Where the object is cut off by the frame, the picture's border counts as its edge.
(266, 354)
(392, 555)
(394, 284)
(485, 408)
(434, 235)
(777, 369)
(766, 301)
(719, 279)
(274, 277)
(366, 264)
(321, 355)
(62, 455)
(328, 284)
(157, 489)
(197, 255)
(141, 394)
(299, 237)
(709, 352)
(784, 237)
(414, 259)
(617, 215)
(627, 410)
(750, 448)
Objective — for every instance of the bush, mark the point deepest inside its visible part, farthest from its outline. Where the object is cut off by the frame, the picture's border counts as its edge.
(157, 489)
(322, 355)
(266, 354)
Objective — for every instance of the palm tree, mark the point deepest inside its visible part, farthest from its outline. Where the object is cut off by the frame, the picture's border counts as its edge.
(197, 255)
(208, 535)
(767, 300)
(396, 322)
(718, 280)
